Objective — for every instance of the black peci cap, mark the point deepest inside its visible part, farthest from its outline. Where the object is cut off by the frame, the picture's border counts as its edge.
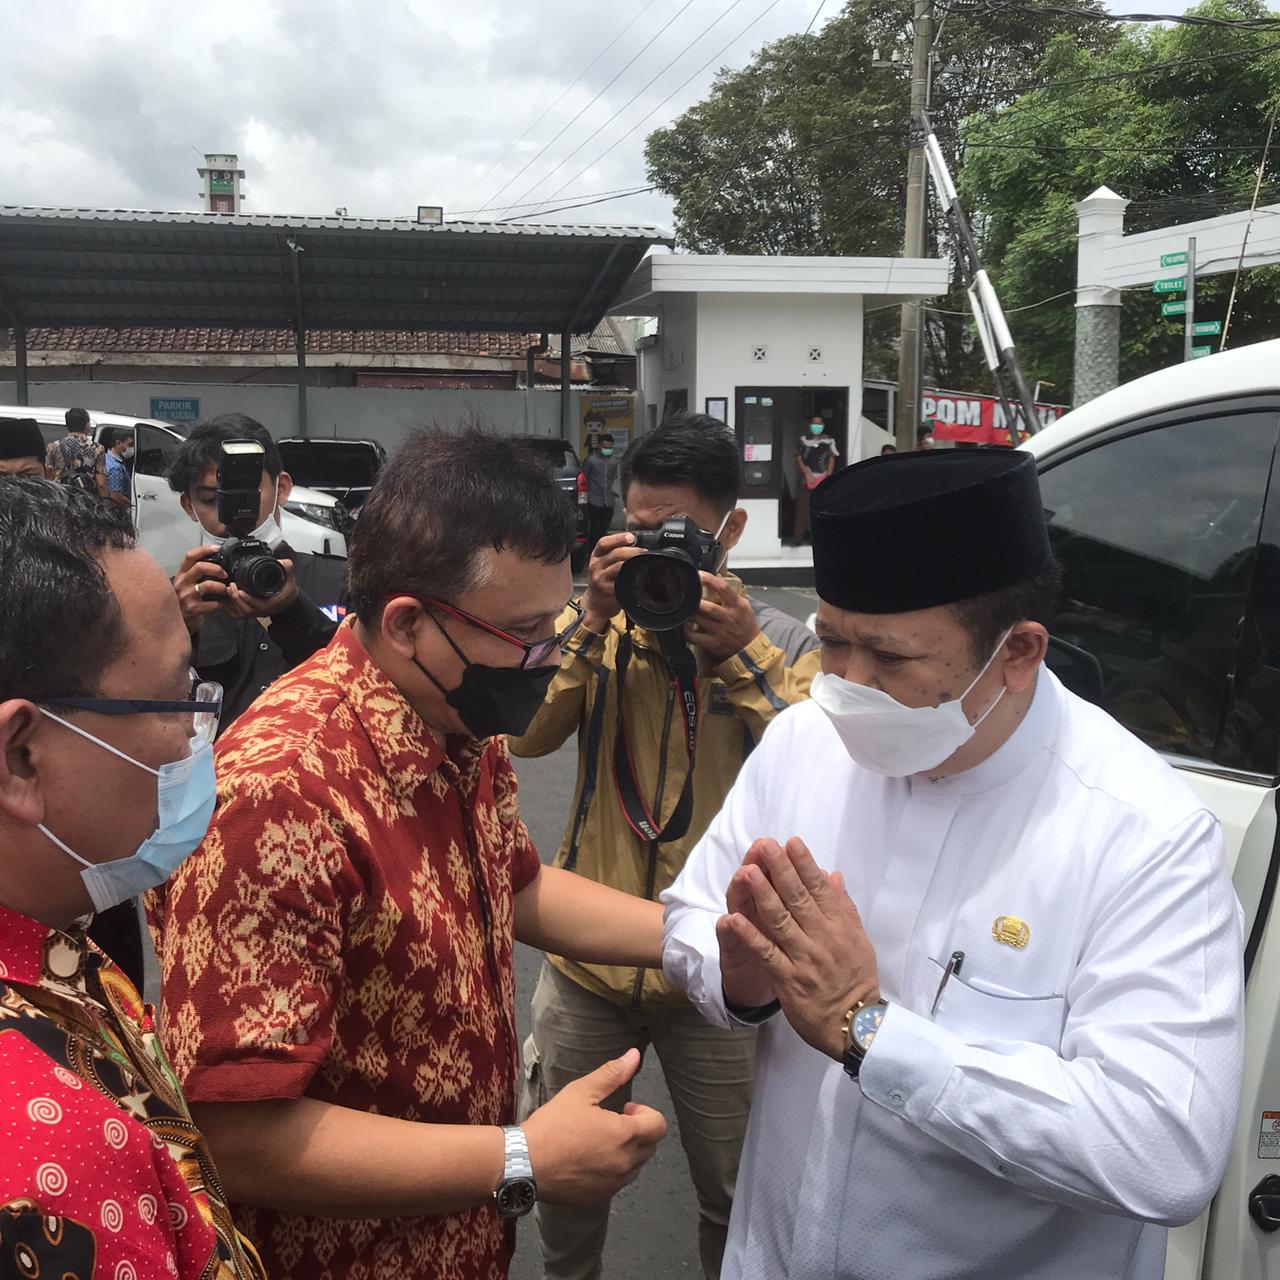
(916, 530)
(21, 438)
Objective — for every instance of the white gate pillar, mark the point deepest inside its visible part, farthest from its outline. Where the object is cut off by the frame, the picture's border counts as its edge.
(1097, 354)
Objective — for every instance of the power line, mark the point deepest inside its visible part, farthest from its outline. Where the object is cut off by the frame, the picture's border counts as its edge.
(546, 146)
(615, 192)
(584, 203)
(1248, 226)
(684, 84)
(692, 221)
(1154, 149)
(1090, 15)
(1155, 68)
(733, 4)
(557, 102)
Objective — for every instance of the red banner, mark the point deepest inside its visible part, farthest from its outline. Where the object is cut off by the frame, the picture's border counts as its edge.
(975, 419)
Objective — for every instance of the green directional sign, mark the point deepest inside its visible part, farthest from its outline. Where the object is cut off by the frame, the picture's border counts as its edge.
(1199, 353)
(1173, 308)
(1170, 284)
(1173, 259)
(1207, 328)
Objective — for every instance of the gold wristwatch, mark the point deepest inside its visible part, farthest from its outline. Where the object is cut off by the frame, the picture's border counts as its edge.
(859, 1027)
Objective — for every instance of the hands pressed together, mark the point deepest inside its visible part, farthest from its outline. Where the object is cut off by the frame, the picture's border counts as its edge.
(793, 934)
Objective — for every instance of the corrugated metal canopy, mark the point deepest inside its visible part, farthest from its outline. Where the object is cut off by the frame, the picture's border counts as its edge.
(65, 267)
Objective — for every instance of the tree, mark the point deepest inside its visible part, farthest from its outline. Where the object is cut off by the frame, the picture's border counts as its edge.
(804, 150)
(1174, 118)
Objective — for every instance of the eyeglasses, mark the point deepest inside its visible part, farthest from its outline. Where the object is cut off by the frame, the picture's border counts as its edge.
(535, 654)
(203, 704)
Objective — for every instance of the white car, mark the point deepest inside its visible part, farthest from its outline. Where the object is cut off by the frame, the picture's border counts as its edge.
(1163, 502)
(311, 521)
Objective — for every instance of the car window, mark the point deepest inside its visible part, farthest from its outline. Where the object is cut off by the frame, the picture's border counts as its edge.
(556, 453)
(1253, 718)
(153, 450)
(329, 465)
(1156, 532)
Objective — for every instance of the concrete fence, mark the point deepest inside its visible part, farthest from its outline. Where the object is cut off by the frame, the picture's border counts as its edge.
(386, 415)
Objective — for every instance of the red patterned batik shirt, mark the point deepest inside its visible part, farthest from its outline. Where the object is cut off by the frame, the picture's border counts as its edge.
(102, 1173)
(345, 933)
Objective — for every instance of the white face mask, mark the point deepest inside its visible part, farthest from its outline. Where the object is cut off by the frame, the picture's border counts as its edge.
(268, 531)
(886, 737)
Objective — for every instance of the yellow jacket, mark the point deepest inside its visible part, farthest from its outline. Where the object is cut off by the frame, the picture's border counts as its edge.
(737, 699)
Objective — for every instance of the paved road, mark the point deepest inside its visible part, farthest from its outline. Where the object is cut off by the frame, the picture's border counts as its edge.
(653, 1227)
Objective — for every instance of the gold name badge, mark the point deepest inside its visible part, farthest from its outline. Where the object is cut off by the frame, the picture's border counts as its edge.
(1011, 931)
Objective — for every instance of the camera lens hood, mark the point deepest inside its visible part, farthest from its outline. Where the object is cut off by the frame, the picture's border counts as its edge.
(659, 590)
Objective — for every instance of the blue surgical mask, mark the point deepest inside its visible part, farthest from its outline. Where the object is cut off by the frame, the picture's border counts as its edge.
(186, 792)
(606, 451)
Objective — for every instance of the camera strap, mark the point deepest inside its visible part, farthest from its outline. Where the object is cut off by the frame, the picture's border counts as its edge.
(684, 676)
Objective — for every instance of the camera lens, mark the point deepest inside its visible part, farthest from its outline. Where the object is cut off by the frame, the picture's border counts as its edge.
(659, 585)
(261, 576)
(660, 590)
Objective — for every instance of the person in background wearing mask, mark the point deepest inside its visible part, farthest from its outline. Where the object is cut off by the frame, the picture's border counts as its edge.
(924, 436)
(102, 1172)
(338, 956)
(622, 690)
(119, 482)
(601, 469)
(1011, 1031)
(22, 449)
(815, 461)
(241, 642)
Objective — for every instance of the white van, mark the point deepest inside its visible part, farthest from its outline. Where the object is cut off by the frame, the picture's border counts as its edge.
(311, 521)
(1163, 502)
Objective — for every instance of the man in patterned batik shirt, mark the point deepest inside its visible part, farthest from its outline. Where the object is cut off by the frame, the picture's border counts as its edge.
(102, 1172)
(337, 957)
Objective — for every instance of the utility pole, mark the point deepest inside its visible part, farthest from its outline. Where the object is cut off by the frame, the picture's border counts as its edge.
(1189, 322)
(910, 351)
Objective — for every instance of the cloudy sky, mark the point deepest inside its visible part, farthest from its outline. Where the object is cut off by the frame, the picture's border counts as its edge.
(377, 106)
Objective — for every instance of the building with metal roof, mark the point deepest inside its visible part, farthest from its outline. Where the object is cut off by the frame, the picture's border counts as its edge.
(123, 268)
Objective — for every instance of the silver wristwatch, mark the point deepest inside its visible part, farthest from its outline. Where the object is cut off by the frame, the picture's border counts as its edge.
(517, 1191)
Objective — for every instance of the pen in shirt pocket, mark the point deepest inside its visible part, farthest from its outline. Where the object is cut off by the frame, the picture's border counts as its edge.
(953, 967)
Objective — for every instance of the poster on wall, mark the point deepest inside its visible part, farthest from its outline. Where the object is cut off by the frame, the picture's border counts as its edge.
(612, 414)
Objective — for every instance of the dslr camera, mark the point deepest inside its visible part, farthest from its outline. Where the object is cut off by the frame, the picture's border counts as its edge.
(661, 589)
(248, 562)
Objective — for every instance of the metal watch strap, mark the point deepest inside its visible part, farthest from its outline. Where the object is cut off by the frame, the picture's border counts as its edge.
(515, 1157)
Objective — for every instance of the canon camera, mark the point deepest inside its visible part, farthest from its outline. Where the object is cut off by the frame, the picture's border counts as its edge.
(248, 562)
(661, 590)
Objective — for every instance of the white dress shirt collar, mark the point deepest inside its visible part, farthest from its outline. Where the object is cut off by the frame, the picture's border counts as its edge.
(1018, 752)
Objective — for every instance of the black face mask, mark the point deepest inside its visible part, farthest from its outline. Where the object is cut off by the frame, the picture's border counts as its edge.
(492, 700)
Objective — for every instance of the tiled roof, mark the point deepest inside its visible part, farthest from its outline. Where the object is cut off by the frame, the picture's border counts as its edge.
(137, 341)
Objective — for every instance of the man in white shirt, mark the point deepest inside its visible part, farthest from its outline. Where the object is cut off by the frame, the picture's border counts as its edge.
(1019, 1053)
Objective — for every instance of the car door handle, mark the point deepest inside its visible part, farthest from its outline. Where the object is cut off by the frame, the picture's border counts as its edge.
(1264, 1203)
(146, 497)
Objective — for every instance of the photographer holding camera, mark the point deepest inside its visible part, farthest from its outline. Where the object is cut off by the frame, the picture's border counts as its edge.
(673, 678)
(251, 603)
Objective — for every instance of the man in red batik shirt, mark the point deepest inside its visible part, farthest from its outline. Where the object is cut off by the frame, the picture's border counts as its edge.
(337, 956)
